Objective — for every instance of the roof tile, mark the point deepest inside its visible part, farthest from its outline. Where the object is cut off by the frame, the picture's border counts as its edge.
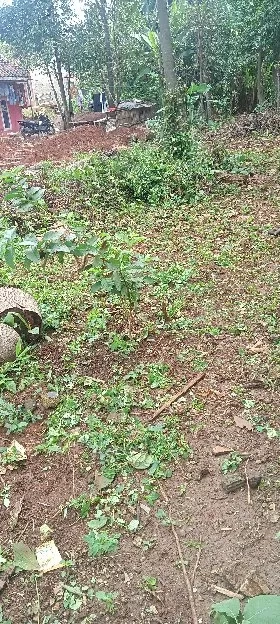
(12, 70)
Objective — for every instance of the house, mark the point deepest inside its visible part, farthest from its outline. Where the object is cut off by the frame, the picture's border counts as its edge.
(15, 94)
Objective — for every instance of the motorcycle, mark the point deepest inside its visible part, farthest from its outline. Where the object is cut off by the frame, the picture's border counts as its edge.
(41, 125)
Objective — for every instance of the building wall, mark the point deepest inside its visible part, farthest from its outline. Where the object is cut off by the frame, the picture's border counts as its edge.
(15, 113)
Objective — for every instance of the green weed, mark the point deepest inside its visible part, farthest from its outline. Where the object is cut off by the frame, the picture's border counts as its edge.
(231, 463)
(15, 419)
(118, 444)
(108, 598)
(101, 543)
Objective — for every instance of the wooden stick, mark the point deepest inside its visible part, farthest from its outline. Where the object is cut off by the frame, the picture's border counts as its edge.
(185, 574)
(248, 484)
(177, 396)
(196, 563)
(226, 592)
(187, 580)
(38, 601)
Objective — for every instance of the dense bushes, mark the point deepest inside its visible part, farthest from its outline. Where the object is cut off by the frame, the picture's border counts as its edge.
(143, 173)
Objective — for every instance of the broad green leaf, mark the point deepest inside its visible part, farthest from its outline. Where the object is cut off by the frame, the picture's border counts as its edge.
(10, 256)
(33, 255)
(11, 386)
(24, 557)
(133, 525)
(58, 248)
(29, 239)
(263, 610)
(35, 331)
(98, 523)
(96, 287)
(9, 319)
(52, 235)
(226, 609)
(140, 461)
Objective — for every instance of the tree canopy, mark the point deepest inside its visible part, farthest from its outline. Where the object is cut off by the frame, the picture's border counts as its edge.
(232, 45)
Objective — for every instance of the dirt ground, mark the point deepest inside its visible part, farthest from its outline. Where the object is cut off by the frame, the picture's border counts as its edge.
(15, 150)
(224, 535)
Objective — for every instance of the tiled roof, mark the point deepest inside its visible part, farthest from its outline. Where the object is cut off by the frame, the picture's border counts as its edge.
(12, 71)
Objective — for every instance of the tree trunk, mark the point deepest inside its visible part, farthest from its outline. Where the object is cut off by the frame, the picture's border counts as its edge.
(109, 56)
(166, 46)
(277, 69)
(66, 117)
(206, 111)
(259, 78)
(70, 104)
(54, 92)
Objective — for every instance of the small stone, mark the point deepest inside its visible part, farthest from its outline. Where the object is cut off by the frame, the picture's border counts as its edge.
(271, 514)
(254, 481)
(137, 541)
(30, 404)
(254, 585)
(235, 482)
(49, 400)
(221, 450)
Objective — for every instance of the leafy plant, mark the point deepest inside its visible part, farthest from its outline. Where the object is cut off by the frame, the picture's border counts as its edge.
(128, 444)
(120, 344)
(72, 597)
(5, 495)
(59, 436)
(231, 463)
(150, 583)
(82, 504)
(258, 610)
(14, 419)
(20, 195)
(156, 374)
(109, 599)
(122, 272)
(101, 543)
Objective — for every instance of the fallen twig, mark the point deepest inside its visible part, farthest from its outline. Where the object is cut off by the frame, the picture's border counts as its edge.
(226, 592)
(187, 580)
(23, 531)
(177, 396)
(184, 569)
(73, 481)
(248, 484)
(38, 601)
(196, 563)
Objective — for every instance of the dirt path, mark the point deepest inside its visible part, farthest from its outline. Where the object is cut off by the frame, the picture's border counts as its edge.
(224, 319)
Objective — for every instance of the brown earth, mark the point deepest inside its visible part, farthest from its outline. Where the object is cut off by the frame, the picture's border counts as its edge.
(236, 536)
(14, 150)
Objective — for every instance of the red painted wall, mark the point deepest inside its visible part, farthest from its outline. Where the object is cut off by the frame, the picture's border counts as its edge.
(15, 116)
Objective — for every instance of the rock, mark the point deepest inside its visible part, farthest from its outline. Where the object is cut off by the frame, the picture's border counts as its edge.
(221, 450)
(271, 514)
(8, 343)
(235, 482)
(254, 481)
(25, 309)
(242, 423)
(49, 400)
(254, 585)
(30, 404)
